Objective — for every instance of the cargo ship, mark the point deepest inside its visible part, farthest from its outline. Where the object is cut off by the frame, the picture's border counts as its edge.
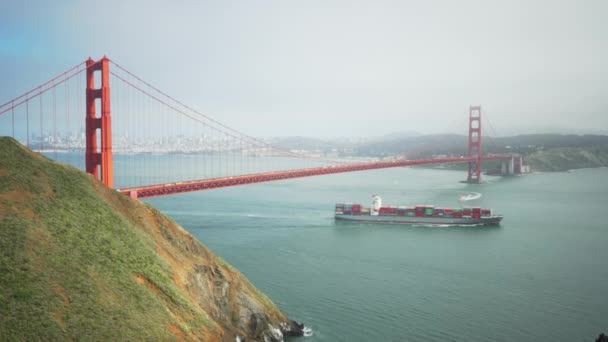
(419, 214)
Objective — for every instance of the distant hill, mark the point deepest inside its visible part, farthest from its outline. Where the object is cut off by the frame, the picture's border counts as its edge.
(79, 261)
(568, 158)
(545, 152)
(305, 143)
(427, 145)
(317, 144)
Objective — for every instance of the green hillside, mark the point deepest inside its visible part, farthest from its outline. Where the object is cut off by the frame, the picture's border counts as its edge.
(79, 261)
(427, 145)
(562, 159)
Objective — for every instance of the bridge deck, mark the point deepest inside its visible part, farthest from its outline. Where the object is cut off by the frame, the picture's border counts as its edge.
(214, 183)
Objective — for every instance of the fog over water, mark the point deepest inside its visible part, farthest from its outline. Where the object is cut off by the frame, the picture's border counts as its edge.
(337, 68)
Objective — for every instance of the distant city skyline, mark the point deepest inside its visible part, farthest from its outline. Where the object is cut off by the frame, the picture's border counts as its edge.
(337, 68)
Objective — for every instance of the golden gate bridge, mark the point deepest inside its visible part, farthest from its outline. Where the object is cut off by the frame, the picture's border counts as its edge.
(136, 123)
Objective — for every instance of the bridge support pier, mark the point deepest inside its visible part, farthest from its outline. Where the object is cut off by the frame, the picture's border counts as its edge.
(507, 167)
(96, 158)
(517, 164)
(474, 172)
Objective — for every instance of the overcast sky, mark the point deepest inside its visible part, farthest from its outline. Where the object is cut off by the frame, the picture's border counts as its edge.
(334, 68)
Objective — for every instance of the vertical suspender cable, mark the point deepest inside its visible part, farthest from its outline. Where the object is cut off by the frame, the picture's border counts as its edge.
(54, 123)
(27, 122)
(67, 105)
(41, 126)
(138, 124)
(138, 103)
(13, 117)
(219, 154)
(208, 152)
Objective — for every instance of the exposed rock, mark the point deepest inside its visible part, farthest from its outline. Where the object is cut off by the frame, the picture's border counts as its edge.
(292, 328)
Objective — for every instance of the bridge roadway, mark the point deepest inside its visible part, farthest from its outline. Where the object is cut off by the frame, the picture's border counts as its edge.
(215, 183)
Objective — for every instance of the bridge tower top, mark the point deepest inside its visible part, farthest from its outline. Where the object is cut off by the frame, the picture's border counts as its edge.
(95, 157)
(475, 146)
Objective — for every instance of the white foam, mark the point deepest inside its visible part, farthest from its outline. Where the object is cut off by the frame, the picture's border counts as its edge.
(307, 331)
(469, 196)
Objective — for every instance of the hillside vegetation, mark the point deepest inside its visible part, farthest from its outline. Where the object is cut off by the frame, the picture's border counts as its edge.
(543, 152)
(79, 261)
(562, 159)
(451, 144)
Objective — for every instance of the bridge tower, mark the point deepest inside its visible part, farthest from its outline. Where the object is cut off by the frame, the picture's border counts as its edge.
(474, 174)
(99, 158)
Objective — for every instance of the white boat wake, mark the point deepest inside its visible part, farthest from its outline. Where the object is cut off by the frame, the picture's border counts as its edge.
(468, 196)
(307, 331)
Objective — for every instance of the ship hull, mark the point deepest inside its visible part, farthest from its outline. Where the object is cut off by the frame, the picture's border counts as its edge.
(423, 220)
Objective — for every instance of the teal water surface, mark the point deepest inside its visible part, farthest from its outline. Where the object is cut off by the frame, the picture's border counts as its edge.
(541, 275)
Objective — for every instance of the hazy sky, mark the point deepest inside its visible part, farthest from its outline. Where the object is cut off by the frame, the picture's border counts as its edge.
(334, 68)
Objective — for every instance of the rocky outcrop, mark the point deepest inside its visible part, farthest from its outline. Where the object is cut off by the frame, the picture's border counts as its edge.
(240, 309)
(292, 329)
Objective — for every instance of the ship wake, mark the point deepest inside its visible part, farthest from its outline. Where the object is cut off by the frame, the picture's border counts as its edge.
(468, 196)
(307, 331)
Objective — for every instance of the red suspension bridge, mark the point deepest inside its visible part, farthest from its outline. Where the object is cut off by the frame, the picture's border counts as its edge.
(129, 131)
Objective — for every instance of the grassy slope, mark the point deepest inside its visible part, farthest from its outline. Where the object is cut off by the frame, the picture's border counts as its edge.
(78, 260)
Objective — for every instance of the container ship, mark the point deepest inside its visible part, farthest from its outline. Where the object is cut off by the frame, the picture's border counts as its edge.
(420, 214)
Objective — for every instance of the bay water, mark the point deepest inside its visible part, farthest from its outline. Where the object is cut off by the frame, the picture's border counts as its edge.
(540, 275)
